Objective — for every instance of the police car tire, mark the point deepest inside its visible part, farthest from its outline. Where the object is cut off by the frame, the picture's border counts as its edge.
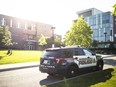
(51, 74)
(73, 71)
(99, 66)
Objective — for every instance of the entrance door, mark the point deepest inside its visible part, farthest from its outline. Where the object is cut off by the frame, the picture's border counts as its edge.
(30, 47)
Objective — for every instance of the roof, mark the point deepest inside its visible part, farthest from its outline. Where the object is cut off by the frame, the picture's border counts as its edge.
(68, 47)
(90, 9)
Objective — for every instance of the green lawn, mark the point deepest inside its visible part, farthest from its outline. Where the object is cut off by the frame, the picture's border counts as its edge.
(105, 78)
(19, 56)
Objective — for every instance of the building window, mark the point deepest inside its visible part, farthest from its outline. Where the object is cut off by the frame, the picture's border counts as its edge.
(7, 22)
(33, 26)
(99, 22)
(0, 21)
(92, 20)
(3, 21)
(14, 25)
(18, 25)
(10, 23)
(22, 25)
(105, 18)
(31, 37)
(29, 26)
(25, 24)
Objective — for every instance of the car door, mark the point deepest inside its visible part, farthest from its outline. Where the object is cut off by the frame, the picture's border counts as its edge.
(90, 58)
(79, 57)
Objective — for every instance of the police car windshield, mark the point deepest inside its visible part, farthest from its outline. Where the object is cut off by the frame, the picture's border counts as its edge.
(52, 53)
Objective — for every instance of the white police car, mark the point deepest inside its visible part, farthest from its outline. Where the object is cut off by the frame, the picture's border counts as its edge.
(69, 61)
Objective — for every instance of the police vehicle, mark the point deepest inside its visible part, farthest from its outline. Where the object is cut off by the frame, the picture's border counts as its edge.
(69, 61)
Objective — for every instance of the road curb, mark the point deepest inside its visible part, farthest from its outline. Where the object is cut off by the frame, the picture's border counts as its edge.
(19, 67)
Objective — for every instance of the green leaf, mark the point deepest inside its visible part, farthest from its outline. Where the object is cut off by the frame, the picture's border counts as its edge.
(79, 34)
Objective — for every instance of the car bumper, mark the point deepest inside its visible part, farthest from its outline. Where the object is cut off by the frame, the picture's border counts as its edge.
(53, 69)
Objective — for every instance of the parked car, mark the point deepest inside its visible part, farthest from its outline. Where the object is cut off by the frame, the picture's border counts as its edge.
(69, 61)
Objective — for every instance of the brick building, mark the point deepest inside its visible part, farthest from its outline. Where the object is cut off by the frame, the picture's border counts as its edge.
(25, 33)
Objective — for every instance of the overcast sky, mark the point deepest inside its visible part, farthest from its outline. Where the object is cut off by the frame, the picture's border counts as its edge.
(58, 13)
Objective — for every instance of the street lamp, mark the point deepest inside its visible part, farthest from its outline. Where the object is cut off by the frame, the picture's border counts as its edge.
(53, 45)
(105, 35)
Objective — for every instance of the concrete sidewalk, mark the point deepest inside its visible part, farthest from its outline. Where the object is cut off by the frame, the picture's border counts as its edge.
(8, 67)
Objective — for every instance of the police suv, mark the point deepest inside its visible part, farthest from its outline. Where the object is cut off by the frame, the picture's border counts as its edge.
(69, 61)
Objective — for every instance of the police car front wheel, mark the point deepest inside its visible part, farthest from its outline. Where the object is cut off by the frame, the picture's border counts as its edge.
(99, 66)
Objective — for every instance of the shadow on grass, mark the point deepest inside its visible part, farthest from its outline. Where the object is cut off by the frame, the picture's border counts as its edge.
(5, 55)
(86, 80)
(94, 78)
(2, 57)
(50, 79)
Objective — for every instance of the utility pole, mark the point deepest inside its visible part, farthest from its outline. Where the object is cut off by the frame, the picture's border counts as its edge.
(105, 38)
(53, 44)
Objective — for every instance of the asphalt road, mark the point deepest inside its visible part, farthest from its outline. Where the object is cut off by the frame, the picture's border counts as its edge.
(31, 77)
(28, 77)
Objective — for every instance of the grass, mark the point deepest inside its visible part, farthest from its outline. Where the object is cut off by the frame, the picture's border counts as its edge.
(19, 56)
(105, 78)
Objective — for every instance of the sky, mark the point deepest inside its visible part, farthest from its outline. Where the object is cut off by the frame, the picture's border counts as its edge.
(59, 13)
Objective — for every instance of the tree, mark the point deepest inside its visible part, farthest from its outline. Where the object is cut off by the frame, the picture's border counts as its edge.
(5, 36)
(79, 34)
(114, 11)
(1, 36)
(58, 42)
(42, 40)
(49, 42)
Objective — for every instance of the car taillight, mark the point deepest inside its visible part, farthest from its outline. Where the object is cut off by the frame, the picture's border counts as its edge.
(61, 61)
(58, 60)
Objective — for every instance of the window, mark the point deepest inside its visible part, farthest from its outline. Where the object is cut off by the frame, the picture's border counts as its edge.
(10, 23)
(33, 26)
(52, 53)
(93, 20)
(0, 21)
(99, 22)
(67, 53)
(14, 24)
(22, 25)
(31, 37)
(105, 18)
(78, 52)
(18, 24)
(87, 52)
(28, 26)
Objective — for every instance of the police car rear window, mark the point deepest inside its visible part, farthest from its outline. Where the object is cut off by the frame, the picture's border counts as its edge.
(52, 53)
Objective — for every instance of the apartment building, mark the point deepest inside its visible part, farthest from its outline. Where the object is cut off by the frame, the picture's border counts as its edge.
(25, 33)
(103, 24)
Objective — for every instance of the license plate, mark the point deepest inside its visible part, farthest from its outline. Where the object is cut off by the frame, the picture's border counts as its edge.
(46, 62)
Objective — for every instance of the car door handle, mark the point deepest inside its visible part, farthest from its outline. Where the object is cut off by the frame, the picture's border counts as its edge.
(76, 58)
(88, 57)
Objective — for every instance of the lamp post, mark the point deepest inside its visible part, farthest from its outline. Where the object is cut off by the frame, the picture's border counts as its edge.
(53, 45)
(105, 37)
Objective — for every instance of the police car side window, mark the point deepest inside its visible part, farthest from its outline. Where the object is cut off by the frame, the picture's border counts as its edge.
(67, 53)
(78, 52)
(87, 52)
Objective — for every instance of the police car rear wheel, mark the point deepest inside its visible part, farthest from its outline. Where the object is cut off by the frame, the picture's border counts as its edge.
(51, 74)
(73, 70)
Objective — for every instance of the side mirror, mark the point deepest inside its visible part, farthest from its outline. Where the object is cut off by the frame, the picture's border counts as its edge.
(93, 53)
